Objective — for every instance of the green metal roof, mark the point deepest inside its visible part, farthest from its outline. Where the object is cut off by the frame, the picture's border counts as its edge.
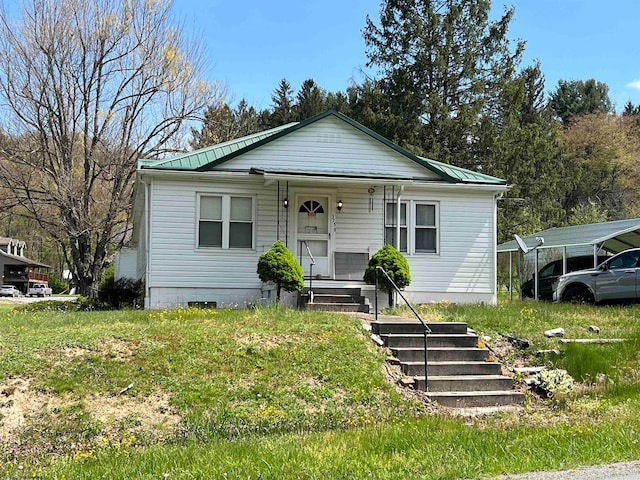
(197, 158)
(613, 236)
(463, 175)
(209, 158)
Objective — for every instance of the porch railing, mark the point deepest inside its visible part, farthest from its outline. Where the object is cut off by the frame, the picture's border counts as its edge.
(427, 330)
(312, 262)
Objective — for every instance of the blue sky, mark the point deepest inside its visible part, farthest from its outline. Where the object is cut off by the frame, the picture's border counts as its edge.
(252, 44)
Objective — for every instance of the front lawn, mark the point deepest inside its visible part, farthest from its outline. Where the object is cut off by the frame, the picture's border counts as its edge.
(275, 393)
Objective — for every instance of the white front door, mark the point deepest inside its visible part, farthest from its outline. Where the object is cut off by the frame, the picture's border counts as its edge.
(313, 217)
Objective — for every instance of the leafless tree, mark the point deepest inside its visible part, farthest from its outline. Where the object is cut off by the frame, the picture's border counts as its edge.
(88, 87)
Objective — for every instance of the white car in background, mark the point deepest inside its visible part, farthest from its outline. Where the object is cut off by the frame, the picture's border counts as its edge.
(9, 291)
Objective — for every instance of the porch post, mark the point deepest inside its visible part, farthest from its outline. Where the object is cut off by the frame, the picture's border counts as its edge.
(278, 214)
(286, 220)
(398, 211)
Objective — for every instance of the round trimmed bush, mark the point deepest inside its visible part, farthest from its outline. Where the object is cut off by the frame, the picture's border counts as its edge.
(394, 264)
(278, 265)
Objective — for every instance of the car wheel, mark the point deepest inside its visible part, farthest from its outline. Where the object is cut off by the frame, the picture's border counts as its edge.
(577, 294)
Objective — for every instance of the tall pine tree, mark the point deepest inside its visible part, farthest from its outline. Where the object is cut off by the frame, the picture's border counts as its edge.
(442, 64)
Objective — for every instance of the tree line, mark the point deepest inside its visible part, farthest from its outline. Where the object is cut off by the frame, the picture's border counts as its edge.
(87, 95)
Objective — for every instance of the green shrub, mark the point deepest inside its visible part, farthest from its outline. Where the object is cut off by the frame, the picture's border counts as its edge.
(553, 382)
(57, 284)
(278, 265)
(396, 267)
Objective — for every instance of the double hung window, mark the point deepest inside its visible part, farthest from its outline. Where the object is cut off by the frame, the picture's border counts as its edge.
(390, 225)
(418, 226)
(225, 221)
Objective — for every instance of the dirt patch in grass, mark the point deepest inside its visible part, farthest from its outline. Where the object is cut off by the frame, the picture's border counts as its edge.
(116, 348)
(151, 414)
(19, 401)
(23, 408)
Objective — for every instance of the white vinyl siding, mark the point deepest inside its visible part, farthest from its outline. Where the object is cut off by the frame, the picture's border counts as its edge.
(330, 145)
(464, 263)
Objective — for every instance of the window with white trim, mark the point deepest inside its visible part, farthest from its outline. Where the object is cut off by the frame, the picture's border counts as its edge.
(390, 225)
(425, 228)
(225, 221)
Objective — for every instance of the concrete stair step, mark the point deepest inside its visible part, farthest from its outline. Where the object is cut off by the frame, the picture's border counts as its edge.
(452, 368)
(440, 354)
(333, 291)
(433, 340)
(464, 383)
(408, 327)
(331, 298)
(337, 307)
(477, 399)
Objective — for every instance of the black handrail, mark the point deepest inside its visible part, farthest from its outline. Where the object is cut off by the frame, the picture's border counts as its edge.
(427, 330)
(311, 264)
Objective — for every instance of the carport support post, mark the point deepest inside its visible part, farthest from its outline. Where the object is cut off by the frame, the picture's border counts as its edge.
(535, 275)
(520, 275)
(511, 276)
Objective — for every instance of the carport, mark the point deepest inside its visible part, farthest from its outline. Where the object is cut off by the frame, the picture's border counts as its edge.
(611, 237)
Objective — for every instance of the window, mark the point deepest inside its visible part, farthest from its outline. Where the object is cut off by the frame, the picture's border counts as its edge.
(390, 225)
(418, 226)
(426, 231)
(210, 231)
(625, 260)
(225, 221)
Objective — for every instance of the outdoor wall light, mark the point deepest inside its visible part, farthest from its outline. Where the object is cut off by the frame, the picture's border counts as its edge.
(285, 203)
(339, 206)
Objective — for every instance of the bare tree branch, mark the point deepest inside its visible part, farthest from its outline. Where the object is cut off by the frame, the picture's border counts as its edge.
(87, 88)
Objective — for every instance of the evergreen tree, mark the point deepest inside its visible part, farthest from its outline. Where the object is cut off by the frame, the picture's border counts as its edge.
(223, 123)
(282, 110)
(573, 98)
(310, 100)
(442, 64)
(523, 144)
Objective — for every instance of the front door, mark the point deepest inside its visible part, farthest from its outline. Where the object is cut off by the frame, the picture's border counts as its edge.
(313, 231)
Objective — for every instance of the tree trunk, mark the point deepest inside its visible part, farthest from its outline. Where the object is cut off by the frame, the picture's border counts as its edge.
(391, 292)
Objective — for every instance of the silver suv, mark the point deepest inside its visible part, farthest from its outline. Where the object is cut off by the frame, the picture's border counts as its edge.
(615, 279)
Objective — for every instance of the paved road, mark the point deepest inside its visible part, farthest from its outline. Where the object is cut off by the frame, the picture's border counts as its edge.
(19, 300)
(615, 471)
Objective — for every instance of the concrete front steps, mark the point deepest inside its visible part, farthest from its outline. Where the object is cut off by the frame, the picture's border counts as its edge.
(333, 299)
(459, 373)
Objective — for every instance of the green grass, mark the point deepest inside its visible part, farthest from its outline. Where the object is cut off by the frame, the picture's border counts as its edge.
(275, 393)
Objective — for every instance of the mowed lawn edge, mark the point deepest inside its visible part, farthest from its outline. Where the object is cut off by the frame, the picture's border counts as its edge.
(275, 393)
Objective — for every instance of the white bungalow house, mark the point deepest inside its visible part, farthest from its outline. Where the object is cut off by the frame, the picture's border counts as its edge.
(203, 218)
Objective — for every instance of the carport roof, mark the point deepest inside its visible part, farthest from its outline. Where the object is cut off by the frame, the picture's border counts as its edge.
(613, 236)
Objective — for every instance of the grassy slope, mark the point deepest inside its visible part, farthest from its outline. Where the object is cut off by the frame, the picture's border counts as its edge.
(281, 394)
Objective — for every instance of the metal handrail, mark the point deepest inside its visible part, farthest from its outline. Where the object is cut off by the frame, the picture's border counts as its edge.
(311, 264)
(427, 330)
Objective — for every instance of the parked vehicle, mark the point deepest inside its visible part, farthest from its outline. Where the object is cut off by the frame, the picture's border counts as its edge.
(9, 291)
(548, 274)
(615, 279)
(39, 290)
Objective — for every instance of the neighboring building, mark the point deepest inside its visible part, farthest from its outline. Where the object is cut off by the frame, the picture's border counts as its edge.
(202, 219)
(17, 269)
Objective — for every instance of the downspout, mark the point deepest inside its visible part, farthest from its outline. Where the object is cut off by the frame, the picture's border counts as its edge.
(495, 250)
(147, 236)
